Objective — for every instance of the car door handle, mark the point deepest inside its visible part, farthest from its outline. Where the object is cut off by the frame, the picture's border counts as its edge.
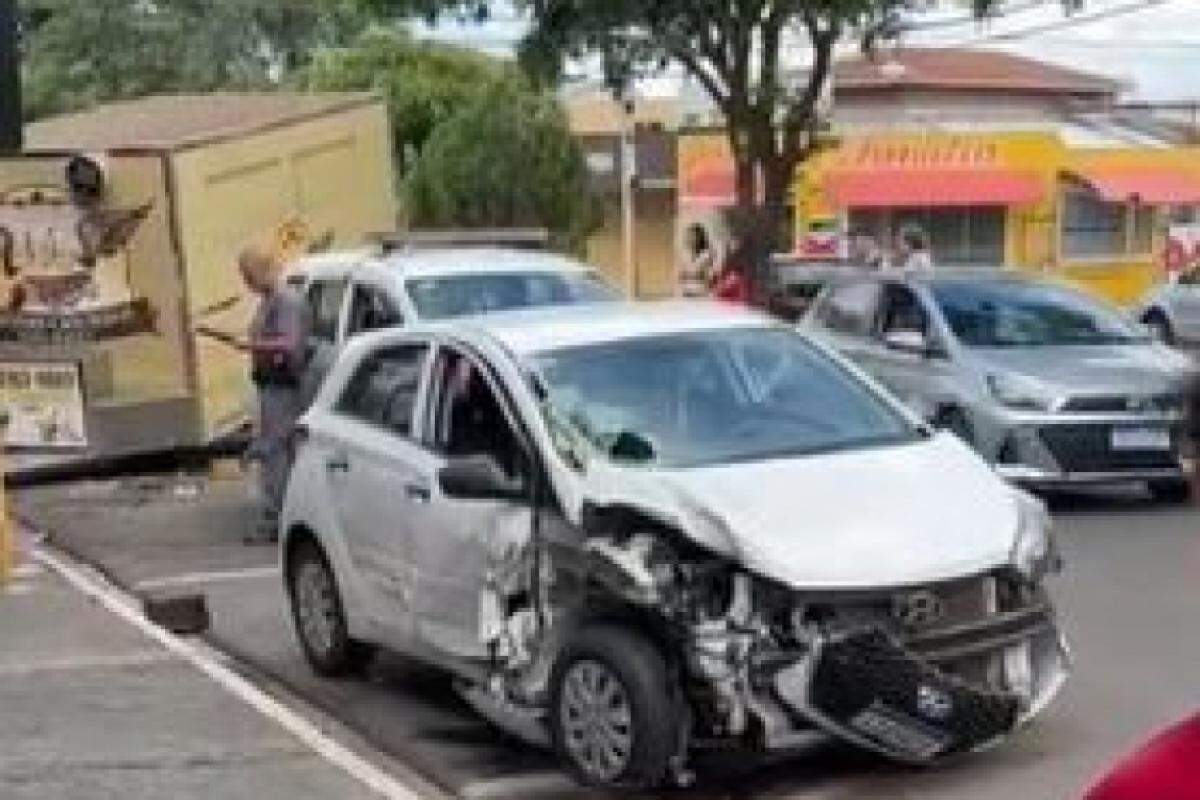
(337, 464)
(417, 491)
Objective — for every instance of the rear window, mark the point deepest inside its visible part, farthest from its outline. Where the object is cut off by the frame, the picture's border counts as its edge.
(462, 295)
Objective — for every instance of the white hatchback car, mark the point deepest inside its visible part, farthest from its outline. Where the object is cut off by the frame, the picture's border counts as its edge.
(355, 291)
(630, 530)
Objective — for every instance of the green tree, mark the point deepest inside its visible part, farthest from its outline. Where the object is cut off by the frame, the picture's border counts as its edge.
(505, 159)
(424, 83)
(79, 53)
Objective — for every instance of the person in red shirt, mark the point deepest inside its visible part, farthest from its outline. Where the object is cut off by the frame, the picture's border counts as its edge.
(1166, 768)
(731, 284)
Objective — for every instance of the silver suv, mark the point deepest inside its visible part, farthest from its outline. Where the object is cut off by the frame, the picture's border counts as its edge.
(1052, 386)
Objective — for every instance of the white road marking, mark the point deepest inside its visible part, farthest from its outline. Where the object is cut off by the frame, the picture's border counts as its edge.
(127, 609)
(198, 578)
(526, 785)
(136, 658)
(17, 588)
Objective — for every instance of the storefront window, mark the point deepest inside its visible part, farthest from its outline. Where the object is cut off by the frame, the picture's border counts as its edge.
(1091, 227)
(958, 236)
(1142, 238)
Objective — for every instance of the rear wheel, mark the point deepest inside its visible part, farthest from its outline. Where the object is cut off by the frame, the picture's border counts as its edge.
(613, 711)
(1173, 491)
(319, 616)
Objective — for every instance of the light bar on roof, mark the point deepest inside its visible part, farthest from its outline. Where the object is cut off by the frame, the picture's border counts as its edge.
(518, 238)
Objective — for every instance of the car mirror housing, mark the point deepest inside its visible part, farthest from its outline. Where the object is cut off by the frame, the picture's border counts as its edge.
(479, 477)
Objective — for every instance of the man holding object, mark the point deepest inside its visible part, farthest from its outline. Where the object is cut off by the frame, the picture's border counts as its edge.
(278, 339)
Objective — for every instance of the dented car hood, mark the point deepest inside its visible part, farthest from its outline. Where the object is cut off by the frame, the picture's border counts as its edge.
(876, 517)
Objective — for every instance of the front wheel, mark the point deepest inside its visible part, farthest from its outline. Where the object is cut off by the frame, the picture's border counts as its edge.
(613, 710)
(319, 616)
(1174, 491)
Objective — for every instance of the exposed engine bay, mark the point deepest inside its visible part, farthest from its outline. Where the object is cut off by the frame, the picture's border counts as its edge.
(914, 673)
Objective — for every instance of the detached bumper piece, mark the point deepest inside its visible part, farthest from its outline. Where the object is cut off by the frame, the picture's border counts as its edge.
(864, 687)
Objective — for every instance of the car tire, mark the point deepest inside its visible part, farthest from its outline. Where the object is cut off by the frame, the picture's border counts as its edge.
(956, 421)
(1161, 326)
(1175, 491)
(612, 684)
(319, 616)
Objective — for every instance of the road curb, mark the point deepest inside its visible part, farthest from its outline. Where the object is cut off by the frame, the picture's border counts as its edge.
(328, 738)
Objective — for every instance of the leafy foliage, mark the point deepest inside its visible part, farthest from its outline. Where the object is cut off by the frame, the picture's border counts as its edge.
(505, 159)
(424, 83)
(79, 53)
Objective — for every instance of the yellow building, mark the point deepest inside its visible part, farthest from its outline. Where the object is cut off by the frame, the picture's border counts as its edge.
(1096, 216)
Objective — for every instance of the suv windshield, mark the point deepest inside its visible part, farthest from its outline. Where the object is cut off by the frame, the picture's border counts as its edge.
(715, 397)
(462, 295)
(1014, 314)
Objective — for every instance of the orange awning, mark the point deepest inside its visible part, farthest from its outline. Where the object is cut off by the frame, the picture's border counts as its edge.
(898, 188)
(1151, 185)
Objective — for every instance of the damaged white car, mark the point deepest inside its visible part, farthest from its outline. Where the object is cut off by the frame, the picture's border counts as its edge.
(635, 531)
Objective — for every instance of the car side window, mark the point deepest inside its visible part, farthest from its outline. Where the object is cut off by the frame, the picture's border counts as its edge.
(468, 418)
(850, 308)
(902, 311)
(325, 307)
(384, 389)
(371, 309)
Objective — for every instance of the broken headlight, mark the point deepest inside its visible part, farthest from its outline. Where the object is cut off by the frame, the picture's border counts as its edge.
(1033, 553)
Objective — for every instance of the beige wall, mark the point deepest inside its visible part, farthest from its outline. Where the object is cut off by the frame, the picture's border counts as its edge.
(333, 174)
(654, 244)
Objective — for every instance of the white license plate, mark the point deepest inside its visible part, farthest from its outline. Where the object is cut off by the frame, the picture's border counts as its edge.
(1141, 439)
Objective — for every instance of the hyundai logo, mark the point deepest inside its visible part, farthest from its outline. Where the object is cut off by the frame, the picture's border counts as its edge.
(917, 609)
(934, 703)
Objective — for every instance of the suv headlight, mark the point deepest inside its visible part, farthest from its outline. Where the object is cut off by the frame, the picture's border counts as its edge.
(1034, 552)
(1020, 392)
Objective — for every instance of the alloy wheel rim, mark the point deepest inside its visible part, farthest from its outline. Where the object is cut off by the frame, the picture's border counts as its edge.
(597, 721)
(317, 606)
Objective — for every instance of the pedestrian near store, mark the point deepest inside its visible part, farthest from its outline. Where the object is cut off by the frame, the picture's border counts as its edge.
(865, 252)
(699, 265)
(912, 250)
(732, 283)
(278, 339)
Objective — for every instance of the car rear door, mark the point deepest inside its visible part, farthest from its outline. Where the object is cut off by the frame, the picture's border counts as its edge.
(380, 479)
(326, 299)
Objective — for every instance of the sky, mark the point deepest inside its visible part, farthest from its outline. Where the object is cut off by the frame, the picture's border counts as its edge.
(1151, 45)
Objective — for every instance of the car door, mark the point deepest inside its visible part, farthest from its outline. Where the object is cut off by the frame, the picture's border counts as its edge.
(460, 543)
(921, 380)
(845, 317)
(380, 479)
(326, 298)
(1184, 300)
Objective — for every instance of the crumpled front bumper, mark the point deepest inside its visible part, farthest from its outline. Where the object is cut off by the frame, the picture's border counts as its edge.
(867, 688)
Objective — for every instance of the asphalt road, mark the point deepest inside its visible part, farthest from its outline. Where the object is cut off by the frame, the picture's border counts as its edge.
(1128, 600)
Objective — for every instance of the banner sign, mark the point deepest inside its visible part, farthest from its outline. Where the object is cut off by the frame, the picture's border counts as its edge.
(44, 404)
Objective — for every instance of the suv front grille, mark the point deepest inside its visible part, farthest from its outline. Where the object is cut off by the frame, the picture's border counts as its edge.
(1119, 404)
(1088, 448)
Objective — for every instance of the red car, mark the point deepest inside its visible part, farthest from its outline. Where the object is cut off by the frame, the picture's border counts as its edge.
(1166, 768)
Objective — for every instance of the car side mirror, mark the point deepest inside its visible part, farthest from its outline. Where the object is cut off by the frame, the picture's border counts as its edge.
(479, 477)
(911, 342)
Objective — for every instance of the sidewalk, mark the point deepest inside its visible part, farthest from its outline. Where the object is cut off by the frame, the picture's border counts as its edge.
(93, 708)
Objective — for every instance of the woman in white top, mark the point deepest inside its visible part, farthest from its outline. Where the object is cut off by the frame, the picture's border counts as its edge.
(912, 252)
(699, 265)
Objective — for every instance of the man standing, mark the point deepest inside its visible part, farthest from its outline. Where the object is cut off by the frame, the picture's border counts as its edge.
(865, 252)
(278, 340)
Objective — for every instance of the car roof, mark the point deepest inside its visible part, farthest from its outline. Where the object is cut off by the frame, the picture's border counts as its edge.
(537, 330)
(440, 262)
